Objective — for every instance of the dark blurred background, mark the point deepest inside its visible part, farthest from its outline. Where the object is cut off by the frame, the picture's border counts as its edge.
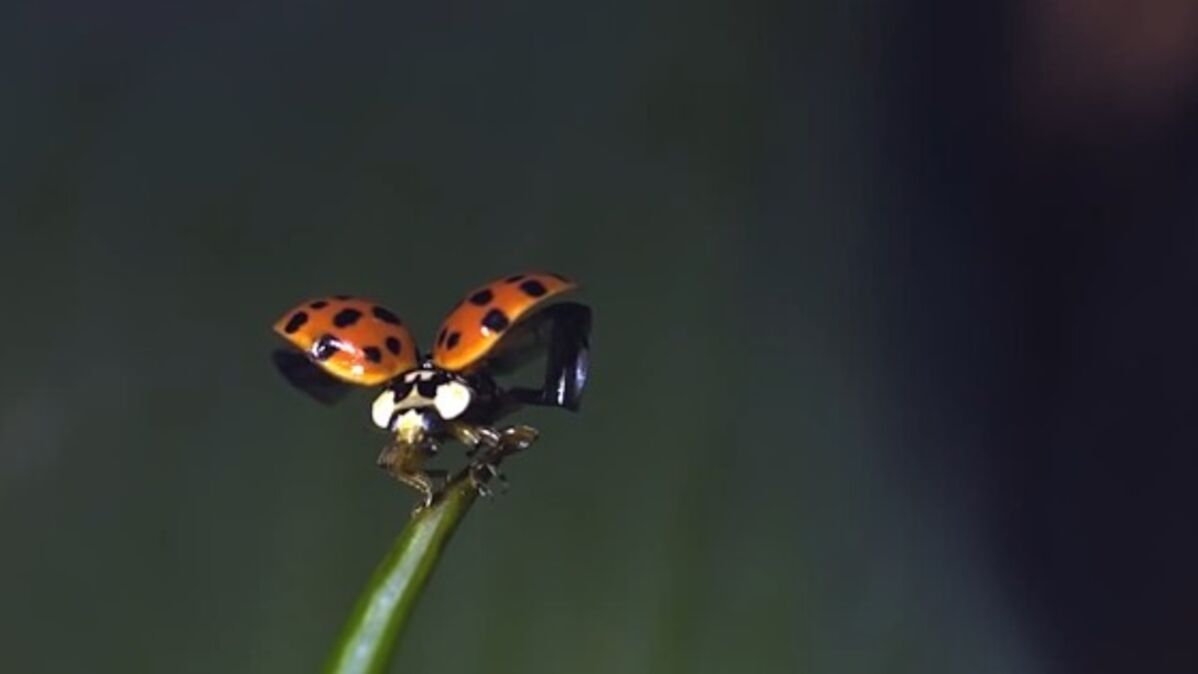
(894, 360)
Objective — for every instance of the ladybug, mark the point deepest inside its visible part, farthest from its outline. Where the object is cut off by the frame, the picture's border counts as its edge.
(340, 342)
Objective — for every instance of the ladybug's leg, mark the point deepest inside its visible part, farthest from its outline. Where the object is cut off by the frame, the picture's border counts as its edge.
(489, 447)
(513, 439)
(485, 467)
(404, 461)
(474, 436)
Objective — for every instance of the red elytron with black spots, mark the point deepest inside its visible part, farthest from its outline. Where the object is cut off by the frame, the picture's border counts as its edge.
(342, 341)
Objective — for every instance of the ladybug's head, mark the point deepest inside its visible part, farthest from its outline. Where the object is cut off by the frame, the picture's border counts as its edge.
(416, 402)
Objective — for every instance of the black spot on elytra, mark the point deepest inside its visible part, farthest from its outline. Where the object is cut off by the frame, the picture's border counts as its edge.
(385, 315)
(373, 354)
(325, 347)
(296, 322)
(533, 288)
(346, 317)
(482, 297)
(394, 345)
(319, 304)
(495, 320)
(514, 279)
(452, 340)
(441, 337)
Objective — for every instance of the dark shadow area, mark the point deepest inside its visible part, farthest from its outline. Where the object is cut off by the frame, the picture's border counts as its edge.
(1048, 237)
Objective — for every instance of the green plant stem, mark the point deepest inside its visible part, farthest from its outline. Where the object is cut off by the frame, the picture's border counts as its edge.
(383, 609)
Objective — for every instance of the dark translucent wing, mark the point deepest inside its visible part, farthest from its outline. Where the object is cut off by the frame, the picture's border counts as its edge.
(309, 377)
(569, 356)
(562, 333)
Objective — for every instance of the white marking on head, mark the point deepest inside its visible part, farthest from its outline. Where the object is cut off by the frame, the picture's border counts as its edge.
(452, 399)
(382, 408)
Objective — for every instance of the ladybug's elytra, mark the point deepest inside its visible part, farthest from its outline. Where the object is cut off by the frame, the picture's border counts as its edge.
(341, 341)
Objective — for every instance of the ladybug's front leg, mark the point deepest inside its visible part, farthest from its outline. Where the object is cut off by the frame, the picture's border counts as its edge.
(404, 461)
(489, 447)
(474, 436)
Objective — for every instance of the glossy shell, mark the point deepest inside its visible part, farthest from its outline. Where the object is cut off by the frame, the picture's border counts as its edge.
(353, 339)
(482, 318)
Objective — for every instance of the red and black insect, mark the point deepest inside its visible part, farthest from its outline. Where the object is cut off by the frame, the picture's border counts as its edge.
(340, 342)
